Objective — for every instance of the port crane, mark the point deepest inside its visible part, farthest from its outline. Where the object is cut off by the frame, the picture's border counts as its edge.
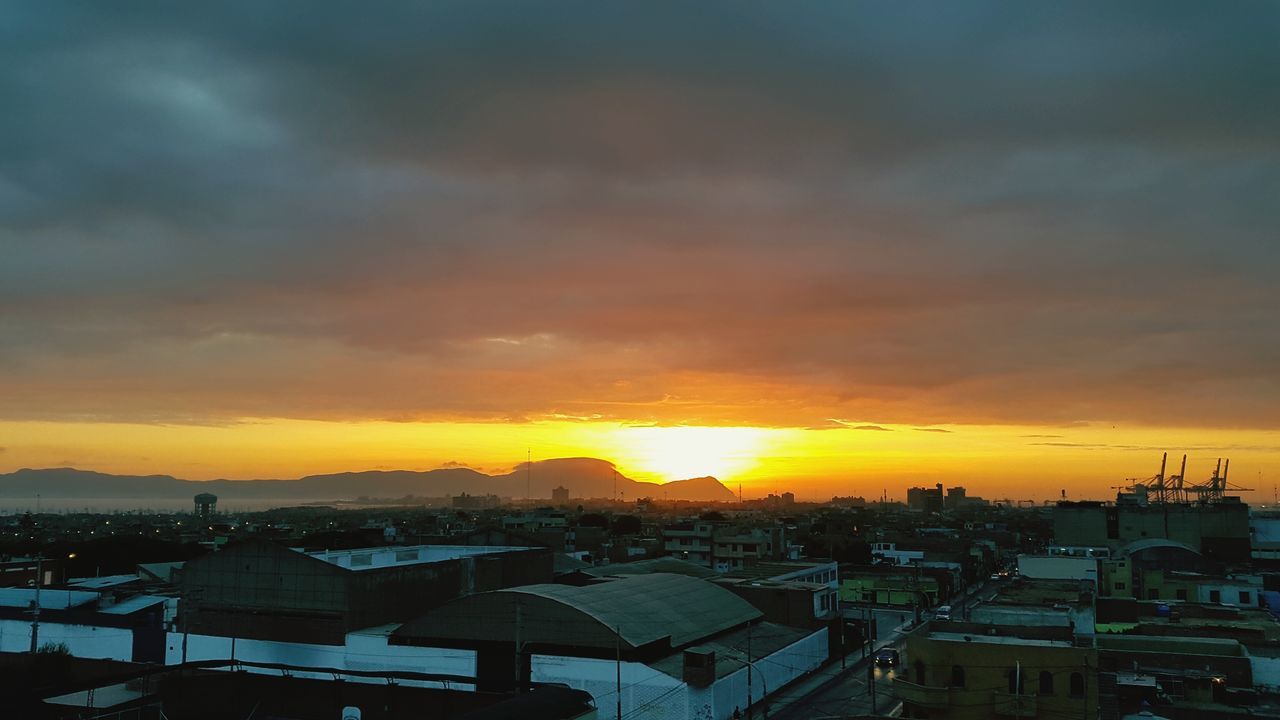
(1163, 489)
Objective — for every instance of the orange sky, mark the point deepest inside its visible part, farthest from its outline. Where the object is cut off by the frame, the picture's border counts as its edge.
(246, 243)
(992, 461)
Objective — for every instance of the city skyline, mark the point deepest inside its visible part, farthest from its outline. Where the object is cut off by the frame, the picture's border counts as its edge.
(1016, 248)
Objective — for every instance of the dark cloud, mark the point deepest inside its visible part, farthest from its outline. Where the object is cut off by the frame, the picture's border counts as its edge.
(932, 430)
(652, 213)
(872, 427)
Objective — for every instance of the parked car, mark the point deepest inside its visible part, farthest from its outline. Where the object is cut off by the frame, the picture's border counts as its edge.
(887, 657)
(943, 613)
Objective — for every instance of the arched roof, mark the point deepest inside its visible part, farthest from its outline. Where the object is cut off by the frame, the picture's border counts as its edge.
(668, 609)
(1138, 546)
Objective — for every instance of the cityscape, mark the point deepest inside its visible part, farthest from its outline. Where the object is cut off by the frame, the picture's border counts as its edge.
(561, 360)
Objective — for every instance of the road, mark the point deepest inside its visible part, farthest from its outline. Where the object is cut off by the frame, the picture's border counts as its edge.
(836, 692)
(833, 692)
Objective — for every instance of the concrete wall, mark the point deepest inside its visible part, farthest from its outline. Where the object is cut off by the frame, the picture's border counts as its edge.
(1058, 567)
(647, 694)
(772, 672)
(86, 641)
(360, 652)
(651, 695)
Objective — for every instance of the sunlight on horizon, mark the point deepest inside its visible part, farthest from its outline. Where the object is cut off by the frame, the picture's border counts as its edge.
(681, 452)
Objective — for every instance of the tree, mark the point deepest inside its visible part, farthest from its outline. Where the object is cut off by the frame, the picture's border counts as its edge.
(626, 525)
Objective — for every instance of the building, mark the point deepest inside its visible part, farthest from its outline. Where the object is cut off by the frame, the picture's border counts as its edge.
(206, 505)
(1218, 530)
(962, 671)
(651, 646)
(89, 623)
(475, 502)
(260, 590)
(560, 495)
(929, 500)
(690, 541)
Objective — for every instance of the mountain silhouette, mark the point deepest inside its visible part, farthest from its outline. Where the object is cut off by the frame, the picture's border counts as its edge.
(584, 477)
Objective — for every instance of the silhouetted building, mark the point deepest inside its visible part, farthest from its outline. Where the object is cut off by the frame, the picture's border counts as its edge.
(560, 495)
(925, 499)
(206, 505)
(258, 589)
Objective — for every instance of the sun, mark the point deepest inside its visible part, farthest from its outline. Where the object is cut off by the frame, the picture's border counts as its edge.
(676, 453)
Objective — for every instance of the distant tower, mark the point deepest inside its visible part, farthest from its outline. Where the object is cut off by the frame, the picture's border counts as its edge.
(206, 505)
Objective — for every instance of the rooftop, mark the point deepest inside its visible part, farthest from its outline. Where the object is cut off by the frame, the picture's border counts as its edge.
(654, 610)
(49, 599)
(731, 649)
(383, 557)
(102, 583)
(133, 604)
(1025, 591)
(646, 608)
(655, 565)
(996, 639)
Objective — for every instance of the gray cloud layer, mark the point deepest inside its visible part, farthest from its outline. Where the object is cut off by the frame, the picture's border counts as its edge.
(714, 212)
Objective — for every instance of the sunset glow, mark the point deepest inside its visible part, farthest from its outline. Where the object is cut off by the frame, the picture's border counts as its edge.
(824, 252)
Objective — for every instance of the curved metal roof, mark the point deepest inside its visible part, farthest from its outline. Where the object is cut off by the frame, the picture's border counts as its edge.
(1138, 546)
(671, 610)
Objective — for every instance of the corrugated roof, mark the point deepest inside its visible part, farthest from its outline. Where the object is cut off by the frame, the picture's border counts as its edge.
(654, 612)
(655, 565)
(49, 599)
(646, 608)
(102, 583)
(134, 604)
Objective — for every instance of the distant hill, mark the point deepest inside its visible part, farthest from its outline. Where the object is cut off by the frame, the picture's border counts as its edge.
(584, 477)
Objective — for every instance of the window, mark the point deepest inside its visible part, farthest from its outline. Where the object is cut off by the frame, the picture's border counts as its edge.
(1119, 586)
(1182, 594)
(1046, 682)
(1017, 681)
(957, 676)
(1244, 598)
(919, 678)
(1215, 596)
(1077, 685)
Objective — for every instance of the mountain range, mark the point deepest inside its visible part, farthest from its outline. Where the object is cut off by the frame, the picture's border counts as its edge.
(584, 477)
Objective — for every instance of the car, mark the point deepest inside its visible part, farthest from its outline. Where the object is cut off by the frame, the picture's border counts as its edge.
(943, 613)
(995, 576)
(887, 657)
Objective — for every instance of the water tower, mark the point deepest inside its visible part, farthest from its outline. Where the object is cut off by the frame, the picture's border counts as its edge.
(206, 505)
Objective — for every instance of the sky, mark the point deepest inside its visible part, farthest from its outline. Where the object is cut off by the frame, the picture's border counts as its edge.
(837, 247)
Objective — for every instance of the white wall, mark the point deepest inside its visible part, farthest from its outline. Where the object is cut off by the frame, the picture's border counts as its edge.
(647, 694)
(1058, 567)
(1266, 672)
(361, 652)
(772, 672)
(86, 641)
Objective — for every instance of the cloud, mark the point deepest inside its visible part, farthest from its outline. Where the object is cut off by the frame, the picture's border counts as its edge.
(932, 430)
(215, 212)
(873, 427)
(1040, 436)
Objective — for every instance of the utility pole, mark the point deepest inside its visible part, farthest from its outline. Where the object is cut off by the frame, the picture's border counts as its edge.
(519, 663)
(840, 617)
(528, 474)
(1017, 689)
(618, 628)
(871, 686)
(35, 605)
(1085, 713)
(748, 671)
